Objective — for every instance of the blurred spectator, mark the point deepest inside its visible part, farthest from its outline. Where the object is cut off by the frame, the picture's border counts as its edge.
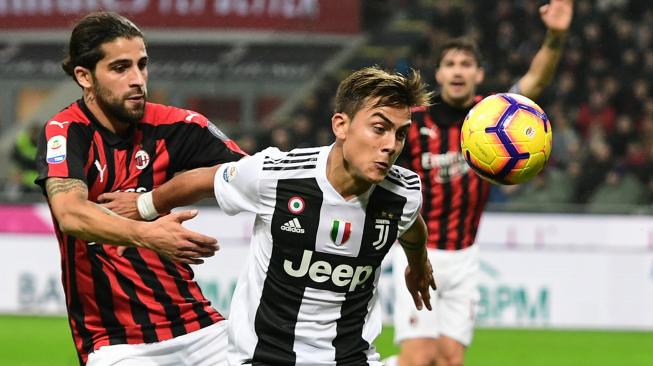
(619, 189)
(23, 157)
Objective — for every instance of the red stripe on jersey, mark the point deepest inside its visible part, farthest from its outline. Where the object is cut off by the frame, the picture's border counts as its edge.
(160, 163)
(436, 190)
(131, 180)
(347, 232)
(457, 193)
(119, 169)
(168, 282)
(156, 311)
(231, 145)
(120, 299)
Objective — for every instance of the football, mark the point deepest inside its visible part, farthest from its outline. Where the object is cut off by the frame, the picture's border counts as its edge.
(506, 138)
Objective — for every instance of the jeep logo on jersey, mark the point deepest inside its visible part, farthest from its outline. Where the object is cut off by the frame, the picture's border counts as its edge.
(341, 275)
(383, 226)
(296, 205)
(142, 159)
(340, 231)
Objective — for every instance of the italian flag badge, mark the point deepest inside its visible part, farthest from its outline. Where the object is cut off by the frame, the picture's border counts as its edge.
(340, 231)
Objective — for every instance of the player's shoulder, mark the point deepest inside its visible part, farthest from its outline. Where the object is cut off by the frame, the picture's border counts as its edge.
(161, 114)
(61, 122)
(298, 160)
(402, 179)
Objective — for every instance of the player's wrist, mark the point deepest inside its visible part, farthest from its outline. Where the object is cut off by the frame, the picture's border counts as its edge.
(145, 205)
(555, 39)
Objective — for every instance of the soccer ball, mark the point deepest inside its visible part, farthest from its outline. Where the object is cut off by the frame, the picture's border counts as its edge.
(506, 138)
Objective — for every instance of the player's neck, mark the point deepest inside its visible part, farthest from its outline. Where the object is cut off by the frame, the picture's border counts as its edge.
(340, 177)
(456, 103)
(105, 120)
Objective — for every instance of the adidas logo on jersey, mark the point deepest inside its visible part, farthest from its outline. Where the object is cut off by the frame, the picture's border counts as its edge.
(293, 226)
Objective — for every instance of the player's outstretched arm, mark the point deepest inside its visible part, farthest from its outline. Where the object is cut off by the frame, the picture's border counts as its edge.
(419, 274)
(184, 189)
(81, 218)
(556, 16)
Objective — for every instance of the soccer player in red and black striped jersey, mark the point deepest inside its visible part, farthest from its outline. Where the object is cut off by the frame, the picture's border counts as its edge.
(140, 306)
(454, 196)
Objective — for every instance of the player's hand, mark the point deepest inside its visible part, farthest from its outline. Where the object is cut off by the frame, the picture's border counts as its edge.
(557, 15)
(168, 237)
(121, 203)
(418, 282)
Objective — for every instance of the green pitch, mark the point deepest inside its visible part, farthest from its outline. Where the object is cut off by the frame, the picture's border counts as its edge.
(30, 341)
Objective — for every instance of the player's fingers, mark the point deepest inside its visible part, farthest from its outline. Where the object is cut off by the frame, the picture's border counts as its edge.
(106, 197)
(203, 251)
(184, 215)
(202, 240)
(426, 298)
(416, 298)
(433, 284)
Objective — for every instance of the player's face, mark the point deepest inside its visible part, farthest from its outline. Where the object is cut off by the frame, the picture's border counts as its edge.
(373, 140)
(120, 80)
(458, 75)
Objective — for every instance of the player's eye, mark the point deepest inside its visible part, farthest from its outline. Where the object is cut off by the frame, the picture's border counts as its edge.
(401, 134)
(119, 68)
(378, 129)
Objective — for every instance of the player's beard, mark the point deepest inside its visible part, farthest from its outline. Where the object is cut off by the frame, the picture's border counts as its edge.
(115, 106)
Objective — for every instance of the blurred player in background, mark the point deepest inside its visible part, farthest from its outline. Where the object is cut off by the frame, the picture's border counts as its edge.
(326, 218)
(454, 196)
(142, 307)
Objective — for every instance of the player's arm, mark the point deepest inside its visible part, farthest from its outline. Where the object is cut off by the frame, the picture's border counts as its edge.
(182, 190)
(419, 274)
(556, 16)
(83, 219)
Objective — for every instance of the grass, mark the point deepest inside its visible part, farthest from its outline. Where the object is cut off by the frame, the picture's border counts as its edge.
(32, 341)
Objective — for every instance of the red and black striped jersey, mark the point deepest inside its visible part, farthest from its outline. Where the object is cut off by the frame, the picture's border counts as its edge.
(453, 195)
(140, 297)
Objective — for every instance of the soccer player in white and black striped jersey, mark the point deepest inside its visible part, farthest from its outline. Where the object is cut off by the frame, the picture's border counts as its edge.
(326, 218)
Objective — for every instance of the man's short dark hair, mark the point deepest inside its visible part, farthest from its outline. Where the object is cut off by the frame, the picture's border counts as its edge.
(370, 83)
(90, 33)
(461, 44)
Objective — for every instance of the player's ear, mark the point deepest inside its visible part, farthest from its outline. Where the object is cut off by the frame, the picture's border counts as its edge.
(480, 75)
(340, 125)
(83, 76)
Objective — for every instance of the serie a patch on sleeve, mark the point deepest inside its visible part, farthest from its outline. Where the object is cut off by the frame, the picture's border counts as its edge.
(56, 152)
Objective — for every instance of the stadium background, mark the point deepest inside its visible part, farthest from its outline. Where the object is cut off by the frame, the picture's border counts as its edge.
(567, 258)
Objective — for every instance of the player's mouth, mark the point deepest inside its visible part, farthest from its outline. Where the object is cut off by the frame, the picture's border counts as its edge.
(383, 166)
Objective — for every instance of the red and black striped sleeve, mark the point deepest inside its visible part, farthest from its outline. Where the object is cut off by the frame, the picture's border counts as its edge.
(62, 150)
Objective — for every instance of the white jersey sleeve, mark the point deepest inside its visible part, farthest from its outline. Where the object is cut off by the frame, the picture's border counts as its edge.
(236, 184)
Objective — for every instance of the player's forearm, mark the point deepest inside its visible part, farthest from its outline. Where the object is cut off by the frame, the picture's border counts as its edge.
(543, 66)
(185, 189)
(416, 253)
(93, 223)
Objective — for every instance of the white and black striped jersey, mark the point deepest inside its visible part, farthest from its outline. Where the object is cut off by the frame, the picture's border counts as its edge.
(307, 295)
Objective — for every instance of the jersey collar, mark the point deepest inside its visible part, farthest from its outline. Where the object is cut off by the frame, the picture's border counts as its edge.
(111, 138)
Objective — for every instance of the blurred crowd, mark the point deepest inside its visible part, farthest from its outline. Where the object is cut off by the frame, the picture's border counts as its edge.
(600, 103)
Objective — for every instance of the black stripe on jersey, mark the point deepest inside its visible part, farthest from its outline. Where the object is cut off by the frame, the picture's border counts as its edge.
(305, 153)
(462, 216)
(289, 167)
(148, 143)
(349, 342)
(403, 184)
(281, 298)
(182, 286)
(150, 280)
(75, 308)
(446, 196)
(138, 309)
(411, 178)
(111, 166)
(427, 192)
(269, 161)
(103, 291)
(91, 174)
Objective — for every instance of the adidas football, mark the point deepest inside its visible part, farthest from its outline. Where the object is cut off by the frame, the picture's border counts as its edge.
(506, 138)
